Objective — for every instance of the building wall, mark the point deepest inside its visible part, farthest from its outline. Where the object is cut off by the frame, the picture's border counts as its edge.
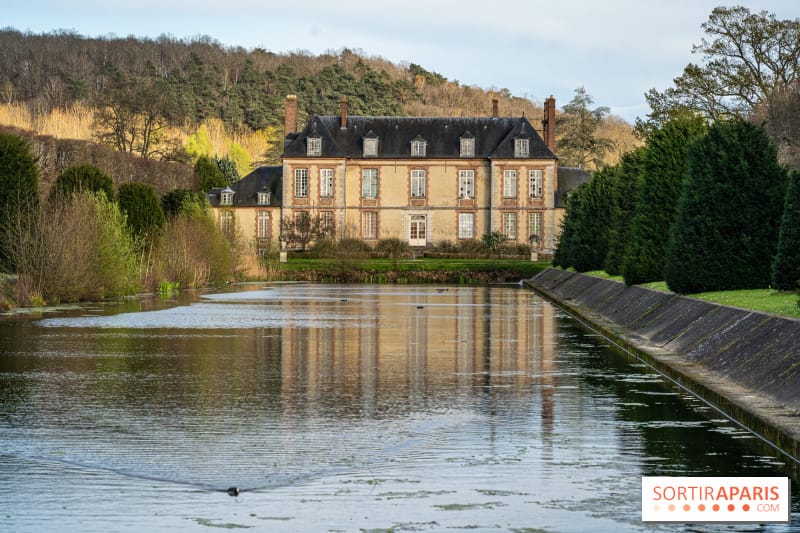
(441, 205)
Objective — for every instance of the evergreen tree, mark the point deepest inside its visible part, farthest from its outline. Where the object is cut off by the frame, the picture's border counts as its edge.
(143, 210)
(208, 174)
(174, 202)
(660, 185)
(786, 265)
(19, 193)
(587, 224)
(80, 178)
(228, 168)
(578, 143)
(729, 214)
(623, 202)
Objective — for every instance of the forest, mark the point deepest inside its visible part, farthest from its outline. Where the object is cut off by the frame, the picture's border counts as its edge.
(178, 99)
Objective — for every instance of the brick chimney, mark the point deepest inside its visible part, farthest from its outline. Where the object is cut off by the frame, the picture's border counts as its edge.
(549, 123)
(344, 113)
(495, 107)
(290, 115)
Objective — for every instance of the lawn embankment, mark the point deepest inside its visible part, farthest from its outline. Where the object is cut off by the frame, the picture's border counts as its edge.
(764, 300)
(421, 270)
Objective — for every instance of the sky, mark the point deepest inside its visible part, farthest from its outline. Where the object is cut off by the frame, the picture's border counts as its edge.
(616, 49)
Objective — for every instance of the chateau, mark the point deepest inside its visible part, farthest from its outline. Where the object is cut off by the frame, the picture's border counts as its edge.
(420, 179)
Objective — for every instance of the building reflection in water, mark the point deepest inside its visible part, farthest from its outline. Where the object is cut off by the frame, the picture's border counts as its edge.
(437, 346)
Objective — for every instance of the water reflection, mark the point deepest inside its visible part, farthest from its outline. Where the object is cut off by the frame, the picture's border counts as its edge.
(341, 408)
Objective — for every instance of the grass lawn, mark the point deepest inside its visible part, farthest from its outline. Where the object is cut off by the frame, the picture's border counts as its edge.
(764, 300)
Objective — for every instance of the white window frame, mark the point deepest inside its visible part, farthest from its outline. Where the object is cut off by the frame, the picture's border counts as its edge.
(535, 226)
(301, 183)
(226, 198)
(419, 148)
(466, 184)
(535, 183)
(509, 184)
(467, 148)
(371, 147)
(510, 226)
(327, 224)
(314, 146)
(264, 198)
(522, 147)
(263, 225)
(369, 225)
(466, 225)
(369, 183)
(226, 222)
(418, 183)
(326, 183)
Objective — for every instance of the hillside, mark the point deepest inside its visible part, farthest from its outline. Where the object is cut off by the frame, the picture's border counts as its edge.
(149, 97)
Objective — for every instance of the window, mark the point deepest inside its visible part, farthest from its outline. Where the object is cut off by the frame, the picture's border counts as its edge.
(369, 225)
(510, 225)
(466, 225)
(326, 182)
(535, 183)
(326, 224)
(370, 145)
(226, 197)
(226, 223)
(535, 227)
(521, 147)
(467, 147)
(314, 146)
(418, 147)
(509, 184)
(418, 184)
(466, 184)
(263, 198)
(369, 183)
(301, 182)
(263, 224)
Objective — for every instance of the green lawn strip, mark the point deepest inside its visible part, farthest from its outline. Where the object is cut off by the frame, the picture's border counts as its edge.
(764, 300)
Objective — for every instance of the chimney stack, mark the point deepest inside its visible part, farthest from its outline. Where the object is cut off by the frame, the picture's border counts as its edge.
(549, 123)
(344, 113)
(495, 107)
(290, 115)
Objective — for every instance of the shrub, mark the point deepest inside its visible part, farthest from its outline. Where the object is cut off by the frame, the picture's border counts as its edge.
(472, 247)
(175, 200)
(192, 252)
(393, 248)
(80, 178)
(80, 249)
(140, 204)
(352, 247)
(19, 193)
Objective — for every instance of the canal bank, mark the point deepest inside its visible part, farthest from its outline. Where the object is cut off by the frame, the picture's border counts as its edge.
(744, 363)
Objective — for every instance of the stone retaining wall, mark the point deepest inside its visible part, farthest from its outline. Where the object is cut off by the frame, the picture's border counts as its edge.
(745, 363)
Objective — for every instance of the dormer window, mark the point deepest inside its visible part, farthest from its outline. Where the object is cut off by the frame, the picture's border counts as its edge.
(467, 145)
(522, 148)
(419, 147)
(263, 197)
(314, 146)
(226, 196)
(370, 145)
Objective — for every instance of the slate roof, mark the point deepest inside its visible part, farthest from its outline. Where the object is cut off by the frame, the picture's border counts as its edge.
(246, 190)
(494, 136)
(568, 179)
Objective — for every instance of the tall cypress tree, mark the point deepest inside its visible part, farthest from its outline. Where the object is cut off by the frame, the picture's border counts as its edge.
(729, 214)
(786, 265)
(623, 203)
(660, 184)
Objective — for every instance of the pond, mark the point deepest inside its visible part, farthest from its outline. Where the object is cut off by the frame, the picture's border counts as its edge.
(344, 408)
